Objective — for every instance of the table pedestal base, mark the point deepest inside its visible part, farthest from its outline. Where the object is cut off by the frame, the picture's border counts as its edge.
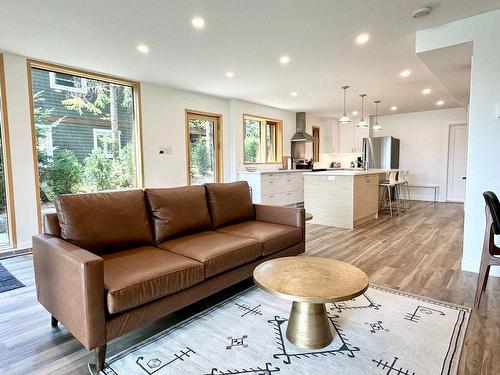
(309, 326)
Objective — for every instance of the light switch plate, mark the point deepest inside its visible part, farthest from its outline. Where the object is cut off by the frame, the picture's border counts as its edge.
(498, 110)
(165, 151)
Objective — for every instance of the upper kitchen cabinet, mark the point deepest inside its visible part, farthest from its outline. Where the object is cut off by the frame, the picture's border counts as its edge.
(350, 138)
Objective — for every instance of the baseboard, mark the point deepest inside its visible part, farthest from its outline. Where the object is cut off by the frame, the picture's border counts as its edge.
(472, 265)
(15, 252)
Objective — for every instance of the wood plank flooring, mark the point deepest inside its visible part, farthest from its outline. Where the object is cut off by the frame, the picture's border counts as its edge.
(418, 252)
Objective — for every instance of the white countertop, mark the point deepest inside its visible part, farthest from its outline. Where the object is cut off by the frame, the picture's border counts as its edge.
(272, 171)
(346, 172)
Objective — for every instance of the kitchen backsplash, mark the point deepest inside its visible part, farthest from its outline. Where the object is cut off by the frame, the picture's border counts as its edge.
(344, 159)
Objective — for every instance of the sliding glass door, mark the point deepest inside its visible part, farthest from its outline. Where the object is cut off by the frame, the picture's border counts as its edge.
(203, 144)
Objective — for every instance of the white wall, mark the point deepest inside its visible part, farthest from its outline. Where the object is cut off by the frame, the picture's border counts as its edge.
(423, 146)
(23, 172)
(484, 127)
(163, 117)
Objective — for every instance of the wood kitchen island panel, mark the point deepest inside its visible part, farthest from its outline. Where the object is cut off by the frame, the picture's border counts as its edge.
(342, 199)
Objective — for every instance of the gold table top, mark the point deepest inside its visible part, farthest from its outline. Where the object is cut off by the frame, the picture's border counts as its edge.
(311, 279)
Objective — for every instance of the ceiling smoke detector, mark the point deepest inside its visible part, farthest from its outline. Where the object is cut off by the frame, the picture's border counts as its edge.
(421, 12)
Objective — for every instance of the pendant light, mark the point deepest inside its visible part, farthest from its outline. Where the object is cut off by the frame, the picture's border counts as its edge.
(376, 127)
(362, 123)
(345, 119)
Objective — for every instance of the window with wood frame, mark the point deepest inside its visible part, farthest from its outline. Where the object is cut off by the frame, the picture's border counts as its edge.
(7, 222)
(262, 140)
(86, 132)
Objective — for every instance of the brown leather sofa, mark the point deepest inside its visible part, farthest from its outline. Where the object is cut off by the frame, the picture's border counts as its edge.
(111, 262)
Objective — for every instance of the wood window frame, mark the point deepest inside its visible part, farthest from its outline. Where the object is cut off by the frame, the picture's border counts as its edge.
(189, 113)
(278, 149)
(136, 88)
(316, 131)
(9, 190)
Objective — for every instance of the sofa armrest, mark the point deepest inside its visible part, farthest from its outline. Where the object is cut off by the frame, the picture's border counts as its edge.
(294, 217)
(70, 285)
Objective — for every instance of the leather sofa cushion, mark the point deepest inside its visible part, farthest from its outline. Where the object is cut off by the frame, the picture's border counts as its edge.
(104, 221)
(217, 251)
(229, 203)
(137, 276)
(178, 211)
(274, 237)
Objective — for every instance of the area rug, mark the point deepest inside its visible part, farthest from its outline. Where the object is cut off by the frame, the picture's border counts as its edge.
(8, 281)
(381, 332)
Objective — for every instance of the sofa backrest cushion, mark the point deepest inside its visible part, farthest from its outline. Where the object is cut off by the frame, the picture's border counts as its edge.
(229, 203)
(99, 222)
(178, 211)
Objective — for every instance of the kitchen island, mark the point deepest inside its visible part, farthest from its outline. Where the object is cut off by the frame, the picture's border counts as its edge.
(343, 198)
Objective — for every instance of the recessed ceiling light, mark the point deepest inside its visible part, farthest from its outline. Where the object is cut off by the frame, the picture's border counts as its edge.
(405, 73)
(363, 38)
(198, 23)
(439, 102)
(354, 113)
(294, 93)
(284, 59)
(142, 48)
(394, 108)
(426, 91)
(229, 74)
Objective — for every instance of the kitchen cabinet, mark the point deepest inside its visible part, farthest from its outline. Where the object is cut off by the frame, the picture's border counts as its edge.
(275, 187)
(350, 137)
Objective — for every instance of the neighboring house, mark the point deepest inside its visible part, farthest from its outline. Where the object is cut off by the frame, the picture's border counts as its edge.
(78, 133)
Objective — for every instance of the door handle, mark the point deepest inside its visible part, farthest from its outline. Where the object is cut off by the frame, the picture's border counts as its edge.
(464, 178)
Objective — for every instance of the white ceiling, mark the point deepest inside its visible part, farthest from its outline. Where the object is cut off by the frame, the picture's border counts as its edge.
(247, 37)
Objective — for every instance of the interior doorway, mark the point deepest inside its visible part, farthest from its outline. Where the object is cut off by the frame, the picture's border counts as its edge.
(457, 163)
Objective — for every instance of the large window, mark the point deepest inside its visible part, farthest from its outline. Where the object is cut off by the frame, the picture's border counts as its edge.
(262, 140)
(86, 132)
(7, 236)
(204, 148)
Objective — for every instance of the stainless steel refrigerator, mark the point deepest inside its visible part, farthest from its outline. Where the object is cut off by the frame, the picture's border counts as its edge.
(381, 152)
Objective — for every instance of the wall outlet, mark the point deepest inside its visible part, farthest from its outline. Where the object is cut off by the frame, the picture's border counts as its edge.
(165, 151)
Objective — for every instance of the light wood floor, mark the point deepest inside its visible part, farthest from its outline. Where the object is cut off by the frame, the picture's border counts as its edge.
(419, 252)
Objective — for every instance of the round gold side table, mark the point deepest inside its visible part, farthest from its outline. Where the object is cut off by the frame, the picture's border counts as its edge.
(310, 282)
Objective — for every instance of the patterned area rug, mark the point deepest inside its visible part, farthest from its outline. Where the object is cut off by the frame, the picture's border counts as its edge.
(8, 281)
(381, 332)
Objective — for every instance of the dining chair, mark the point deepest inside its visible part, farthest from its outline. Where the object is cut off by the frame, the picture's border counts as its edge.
(491, 252)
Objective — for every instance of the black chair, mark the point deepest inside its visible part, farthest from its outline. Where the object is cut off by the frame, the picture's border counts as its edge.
(491, 252)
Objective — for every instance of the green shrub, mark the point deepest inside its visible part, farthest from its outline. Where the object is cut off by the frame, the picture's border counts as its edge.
(97, 168)
(65, 174)
(200, 158)
(123, 170)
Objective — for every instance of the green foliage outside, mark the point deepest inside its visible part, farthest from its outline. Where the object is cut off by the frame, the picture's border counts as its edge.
(252, 141)
(62, 173)
(200, 159)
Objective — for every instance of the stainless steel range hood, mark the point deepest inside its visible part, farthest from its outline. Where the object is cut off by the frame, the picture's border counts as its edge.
(301, 135)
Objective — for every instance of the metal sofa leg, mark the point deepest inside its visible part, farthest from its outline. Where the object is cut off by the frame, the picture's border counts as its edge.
(53, 321)
(100, 357)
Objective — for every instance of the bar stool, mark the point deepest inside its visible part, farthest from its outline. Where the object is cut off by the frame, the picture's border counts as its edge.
(387, 187)
(491, 253)
(403, 187)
